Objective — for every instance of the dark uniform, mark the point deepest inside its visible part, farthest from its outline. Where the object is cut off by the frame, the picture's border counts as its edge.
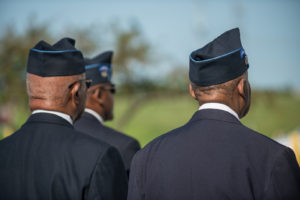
(46, 158)
(214, 156)
(99, 70)
(126, 145)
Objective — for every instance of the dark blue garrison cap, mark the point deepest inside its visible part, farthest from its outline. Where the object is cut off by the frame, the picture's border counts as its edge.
(99, 68)
(61, 59)
(219, 61)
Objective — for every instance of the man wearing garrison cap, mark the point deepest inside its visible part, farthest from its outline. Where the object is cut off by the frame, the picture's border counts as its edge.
(99, 108)
(214, 156)
(46, 158)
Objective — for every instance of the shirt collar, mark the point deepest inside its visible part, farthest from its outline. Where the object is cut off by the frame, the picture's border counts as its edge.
(95, 114)
(60, 114)
(219, 106)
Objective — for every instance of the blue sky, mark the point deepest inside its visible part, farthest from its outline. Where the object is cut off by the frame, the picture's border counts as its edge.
(270, 29)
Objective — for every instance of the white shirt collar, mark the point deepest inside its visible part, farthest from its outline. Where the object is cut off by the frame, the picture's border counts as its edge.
(60, 114)
(95, 114)
(219, 106)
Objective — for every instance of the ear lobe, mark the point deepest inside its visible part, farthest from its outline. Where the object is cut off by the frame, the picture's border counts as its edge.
(192, 93)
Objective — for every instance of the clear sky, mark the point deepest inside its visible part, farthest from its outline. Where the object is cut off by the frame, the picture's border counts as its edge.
(270, 29)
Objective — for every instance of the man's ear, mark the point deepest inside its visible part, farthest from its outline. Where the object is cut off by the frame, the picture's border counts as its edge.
(240, 87)
(192, 92)
(97, 96)
(75, 97)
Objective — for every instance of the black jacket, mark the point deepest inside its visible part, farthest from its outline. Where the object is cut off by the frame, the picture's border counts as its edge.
(47, 159)
(127, 146)
(214, 156)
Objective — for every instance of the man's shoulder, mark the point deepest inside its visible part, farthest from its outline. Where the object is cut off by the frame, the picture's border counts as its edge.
(170, 138)
(86, 121)
(192, 132)
(260, 140)
(118, 134)
(119, 139)
(90, 126)
(67, 135)
(88, 140)
(64, 141)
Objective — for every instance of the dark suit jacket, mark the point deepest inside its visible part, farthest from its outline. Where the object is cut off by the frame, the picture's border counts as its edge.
(47, 159)
(214, 156)
(127, 146)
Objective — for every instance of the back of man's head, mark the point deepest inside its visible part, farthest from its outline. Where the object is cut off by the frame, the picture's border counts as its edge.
(54, 78)
(218, 73)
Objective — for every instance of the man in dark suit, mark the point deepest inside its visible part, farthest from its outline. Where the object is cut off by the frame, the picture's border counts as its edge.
(99, 108)
(214, 156)
(46, 158)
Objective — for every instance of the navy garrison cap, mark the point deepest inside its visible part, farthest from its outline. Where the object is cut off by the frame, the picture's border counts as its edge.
(219, 61)
(99, 68)
(60, 59)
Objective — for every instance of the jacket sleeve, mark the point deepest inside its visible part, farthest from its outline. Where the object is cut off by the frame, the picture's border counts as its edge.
(109, 179)
(135, 180)
(285, 177)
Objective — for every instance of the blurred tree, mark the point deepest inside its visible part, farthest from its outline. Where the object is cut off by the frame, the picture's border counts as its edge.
(131, 50)
(87, 39)
(178, 79)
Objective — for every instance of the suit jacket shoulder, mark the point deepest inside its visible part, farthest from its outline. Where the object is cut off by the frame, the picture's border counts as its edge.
(47, 159)
(127, 145)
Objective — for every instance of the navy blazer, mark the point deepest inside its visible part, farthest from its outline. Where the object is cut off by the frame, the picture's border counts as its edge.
(214, 156)
(127, 145)
(47, 159)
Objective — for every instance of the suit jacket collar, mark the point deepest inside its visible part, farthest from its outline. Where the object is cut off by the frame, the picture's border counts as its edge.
(214, 114)
(91, 118)
(60, 114)
(94, 113)
(219, 106)
(48, 118)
